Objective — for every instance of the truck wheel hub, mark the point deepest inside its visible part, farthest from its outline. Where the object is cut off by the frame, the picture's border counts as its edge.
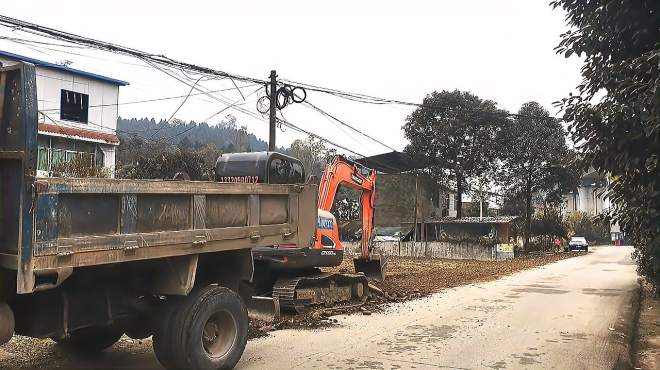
(219, 335)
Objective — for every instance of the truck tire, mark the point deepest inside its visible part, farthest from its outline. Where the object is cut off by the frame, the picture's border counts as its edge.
(162, 338)
(208, 330)
(7, 323)
(92, 339)
(138, 327)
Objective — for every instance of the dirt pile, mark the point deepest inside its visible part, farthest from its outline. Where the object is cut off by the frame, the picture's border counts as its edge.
(407, 276)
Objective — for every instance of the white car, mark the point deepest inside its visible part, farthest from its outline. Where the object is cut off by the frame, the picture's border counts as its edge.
(578, 243)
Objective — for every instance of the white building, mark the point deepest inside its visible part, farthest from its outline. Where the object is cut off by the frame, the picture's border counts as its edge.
(77, 114)
(590, 196)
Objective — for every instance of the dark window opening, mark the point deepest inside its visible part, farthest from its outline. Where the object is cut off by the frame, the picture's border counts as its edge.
(285, 172)
(74, 106)
(326, 241)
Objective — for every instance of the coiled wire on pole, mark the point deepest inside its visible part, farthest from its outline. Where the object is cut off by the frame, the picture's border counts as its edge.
(286, 95)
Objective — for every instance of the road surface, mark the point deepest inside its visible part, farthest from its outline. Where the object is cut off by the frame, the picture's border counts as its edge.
(567, 315)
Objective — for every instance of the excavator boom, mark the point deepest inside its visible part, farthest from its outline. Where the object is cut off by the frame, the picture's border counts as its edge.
(344, 172)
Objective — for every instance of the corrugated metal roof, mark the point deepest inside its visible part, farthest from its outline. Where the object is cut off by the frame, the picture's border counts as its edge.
(472, 220)
(62, 68)
(78, 133)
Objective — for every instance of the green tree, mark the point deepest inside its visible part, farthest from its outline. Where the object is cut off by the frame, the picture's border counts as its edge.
(209, 154)
(619, 133)
(548, 225)
(454, 133)
(535, 159)
(313, 154)
(164, 164)
(592, 228)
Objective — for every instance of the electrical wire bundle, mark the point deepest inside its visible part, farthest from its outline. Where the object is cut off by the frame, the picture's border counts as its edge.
(286, 95)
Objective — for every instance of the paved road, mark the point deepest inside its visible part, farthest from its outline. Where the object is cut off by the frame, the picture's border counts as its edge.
(566, 315)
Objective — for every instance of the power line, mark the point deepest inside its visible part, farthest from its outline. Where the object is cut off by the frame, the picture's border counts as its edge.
(20, 40)
(154, 99)
(179, 107)
(115, 48)
(163, 61)
(234, 104)
(369, 99)
(153, 63)
(40, 44)
(166, 61)
(301, 130)
(297, 128)
(347, 125)
(207, 93)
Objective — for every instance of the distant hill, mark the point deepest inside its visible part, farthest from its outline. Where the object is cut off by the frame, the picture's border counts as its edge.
(226, 136)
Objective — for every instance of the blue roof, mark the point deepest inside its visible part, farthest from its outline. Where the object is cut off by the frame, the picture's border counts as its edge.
(62, 68)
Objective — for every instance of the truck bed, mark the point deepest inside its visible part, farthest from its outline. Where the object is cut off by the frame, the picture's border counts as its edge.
(86, 222)
(50, 226)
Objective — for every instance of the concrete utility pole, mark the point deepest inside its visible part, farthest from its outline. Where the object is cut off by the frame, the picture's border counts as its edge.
(481, 201)
(273, 110)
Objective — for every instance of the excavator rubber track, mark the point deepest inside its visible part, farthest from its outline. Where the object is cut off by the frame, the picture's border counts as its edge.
(297, 293)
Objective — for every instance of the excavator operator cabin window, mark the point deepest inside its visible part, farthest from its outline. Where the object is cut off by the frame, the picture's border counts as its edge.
(298, 173)
(282, 171)
(74, 106)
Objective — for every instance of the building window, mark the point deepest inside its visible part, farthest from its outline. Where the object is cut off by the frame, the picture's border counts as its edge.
(43, 161)
(54, 152)
(74, 106)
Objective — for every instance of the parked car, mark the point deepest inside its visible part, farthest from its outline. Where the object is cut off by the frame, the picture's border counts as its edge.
(578, 243)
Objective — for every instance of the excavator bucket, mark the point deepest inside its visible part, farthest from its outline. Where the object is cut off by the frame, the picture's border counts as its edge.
(373, 267)
(264, 308)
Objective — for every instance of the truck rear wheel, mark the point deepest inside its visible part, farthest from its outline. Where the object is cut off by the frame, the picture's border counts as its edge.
(208, 330)
(92, 339)
(6, 323)
(138, 327)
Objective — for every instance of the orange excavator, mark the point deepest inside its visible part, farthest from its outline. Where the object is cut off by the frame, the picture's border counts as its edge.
(290, 273)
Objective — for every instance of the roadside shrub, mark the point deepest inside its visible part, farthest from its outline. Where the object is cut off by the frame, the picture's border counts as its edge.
(80, 166)
(549, 223)
(166, 164)
(592, 228)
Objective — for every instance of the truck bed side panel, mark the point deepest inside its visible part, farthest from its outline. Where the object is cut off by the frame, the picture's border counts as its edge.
(18, 159)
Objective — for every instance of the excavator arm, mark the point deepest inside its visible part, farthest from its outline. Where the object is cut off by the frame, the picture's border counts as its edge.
(344, 172)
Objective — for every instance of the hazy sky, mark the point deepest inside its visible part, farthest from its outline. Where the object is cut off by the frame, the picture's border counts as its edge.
(499, 50)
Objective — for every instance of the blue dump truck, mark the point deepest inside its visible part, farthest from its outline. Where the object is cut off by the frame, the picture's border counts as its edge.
(85, 261)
